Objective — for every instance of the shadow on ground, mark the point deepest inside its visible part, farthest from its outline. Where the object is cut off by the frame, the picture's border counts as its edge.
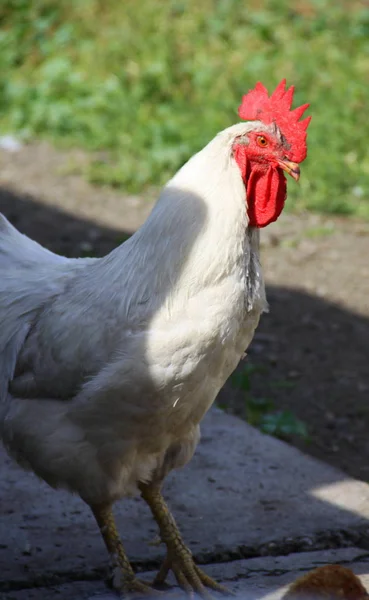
(57, 230)
(310, 356)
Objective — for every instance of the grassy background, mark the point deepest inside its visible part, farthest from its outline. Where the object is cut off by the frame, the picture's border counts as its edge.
(143, 85)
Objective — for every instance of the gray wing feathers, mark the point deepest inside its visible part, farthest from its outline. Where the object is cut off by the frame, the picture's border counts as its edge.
(30, 276)
(9, 349)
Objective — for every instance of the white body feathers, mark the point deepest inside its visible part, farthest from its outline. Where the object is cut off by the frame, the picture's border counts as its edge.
(108, 365)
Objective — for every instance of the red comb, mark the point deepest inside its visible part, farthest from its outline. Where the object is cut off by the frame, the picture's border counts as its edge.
(256, 105)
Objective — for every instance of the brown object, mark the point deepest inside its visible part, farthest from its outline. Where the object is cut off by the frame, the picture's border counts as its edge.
(329, 582)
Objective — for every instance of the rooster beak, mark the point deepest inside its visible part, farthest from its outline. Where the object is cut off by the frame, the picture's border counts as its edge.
(291, 168)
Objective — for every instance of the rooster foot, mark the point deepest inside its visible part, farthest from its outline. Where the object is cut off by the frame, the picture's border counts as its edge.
(131, 588)
(188, 575)
(122, 577)
(179, 558)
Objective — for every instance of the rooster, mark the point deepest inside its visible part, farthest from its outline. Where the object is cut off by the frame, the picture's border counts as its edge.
(108, 365)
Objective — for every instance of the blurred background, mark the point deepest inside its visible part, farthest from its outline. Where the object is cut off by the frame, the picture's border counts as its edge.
(151, 83)
(102, 101)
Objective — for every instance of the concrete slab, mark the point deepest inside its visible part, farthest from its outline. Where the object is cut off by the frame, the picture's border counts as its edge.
(244, 494)
(255, 579)
(268, 578)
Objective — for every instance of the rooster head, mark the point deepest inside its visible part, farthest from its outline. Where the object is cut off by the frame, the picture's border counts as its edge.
(274, 144)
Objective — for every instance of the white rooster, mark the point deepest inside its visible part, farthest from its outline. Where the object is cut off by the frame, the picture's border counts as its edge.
(107, 366)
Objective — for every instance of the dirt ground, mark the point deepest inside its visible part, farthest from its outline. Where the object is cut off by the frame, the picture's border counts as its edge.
(311, 352)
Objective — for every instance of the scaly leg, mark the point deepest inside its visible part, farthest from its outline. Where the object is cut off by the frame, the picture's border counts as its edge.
(124, 579)
(179, 558)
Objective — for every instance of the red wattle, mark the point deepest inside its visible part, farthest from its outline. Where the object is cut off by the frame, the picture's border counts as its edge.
(266, 194)
(266, 189)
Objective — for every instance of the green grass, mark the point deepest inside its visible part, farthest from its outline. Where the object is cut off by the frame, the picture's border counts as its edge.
(261, 412)
(143, 85)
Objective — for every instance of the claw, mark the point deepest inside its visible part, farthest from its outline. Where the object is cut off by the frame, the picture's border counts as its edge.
(179, 558)
(137, 589)
(163, 572)
(189, 576)
(213, 585)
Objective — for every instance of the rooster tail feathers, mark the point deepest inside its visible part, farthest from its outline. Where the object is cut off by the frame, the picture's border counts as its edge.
(17, 249)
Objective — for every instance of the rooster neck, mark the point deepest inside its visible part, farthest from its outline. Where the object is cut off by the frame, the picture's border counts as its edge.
(200, 221)
(196, 237)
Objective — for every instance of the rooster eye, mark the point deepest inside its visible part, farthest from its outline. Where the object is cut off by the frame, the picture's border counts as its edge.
(262, 141)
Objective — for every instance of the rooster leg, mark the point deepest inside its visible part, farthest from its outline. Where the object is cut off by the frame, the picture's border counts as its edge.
(179, 558)
(124, 579)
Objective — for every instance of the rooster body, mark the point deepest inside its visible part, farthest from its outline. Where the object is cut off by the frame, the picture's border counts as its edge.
(108, 365)
(116, 360)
